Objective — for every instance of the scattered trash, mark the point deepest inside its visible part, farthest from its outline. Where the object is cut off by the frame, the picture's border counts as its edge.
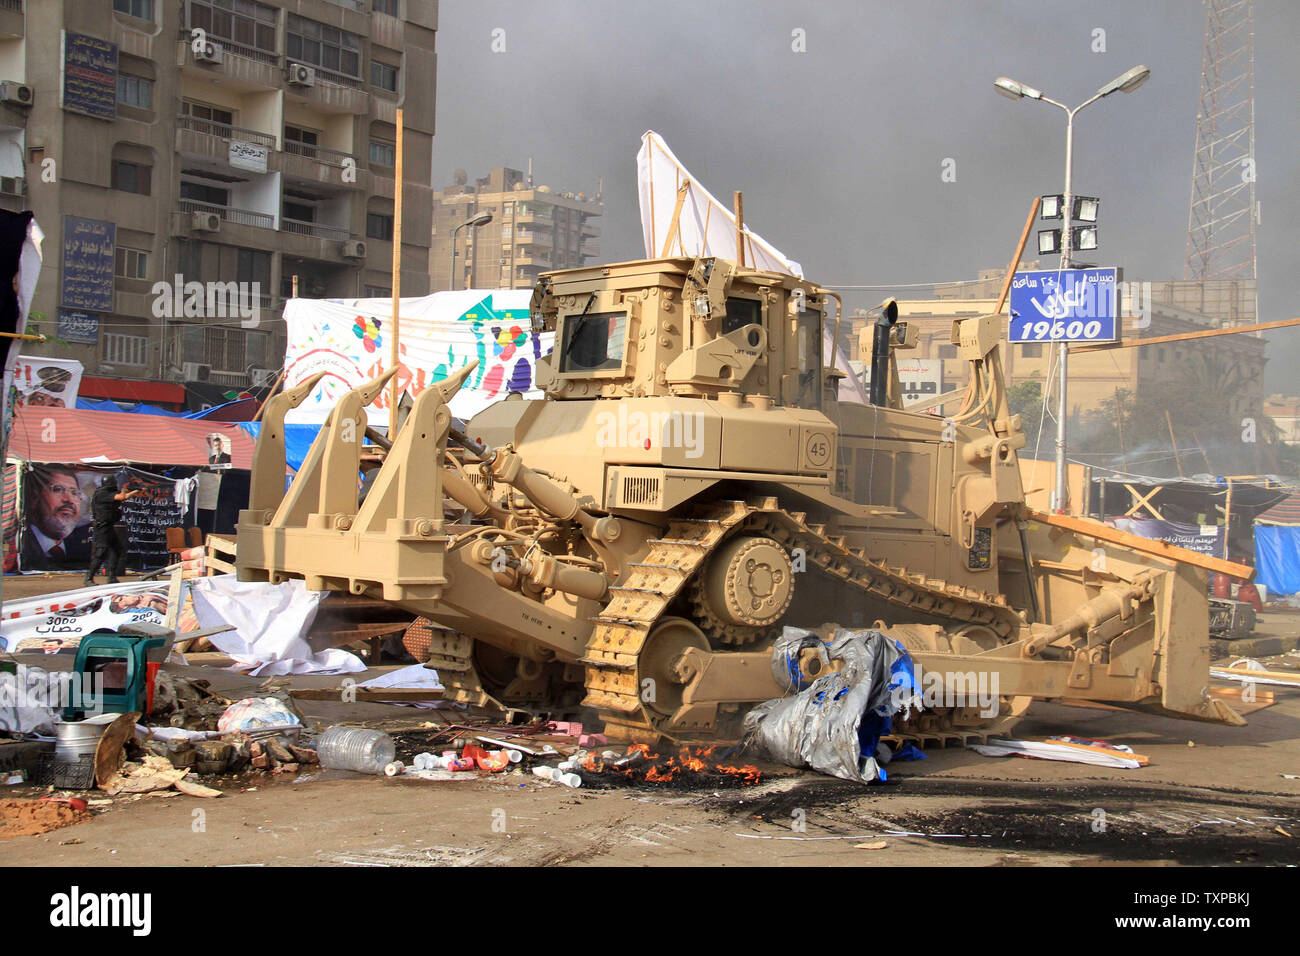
(556, 775)
(873, 845)
(356, 749)
(394, 769)
(1281, 831)
(834, 724)
(1069, 749)
(254, 713)
(1291, 776)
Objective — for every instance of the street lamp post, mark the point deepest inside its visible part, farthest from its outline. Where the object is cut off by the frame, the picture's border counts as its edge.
(482, 219)
(1125, 83)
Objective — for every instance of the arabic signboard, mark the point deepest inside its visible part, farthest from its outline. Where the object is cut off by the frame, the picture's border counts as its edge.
(918, 378)
(89, 76)
(1064, 305)
(79, 327)
(88, 246)
(250, 156)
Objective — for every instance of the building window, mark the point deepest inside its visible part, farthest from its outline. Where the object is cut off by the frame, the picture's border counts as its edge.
(123, 349)
(132, 263)
(379, 226)
(377, 292)
(947, 351)
(224, 348)
(1032, 350)
(142, 9)
(327, 47)
(389, 7)
(135, 91)
(299, 211)
(383, 76)
(131, 177)
(301, 141)
(212, 120)
(201, 192)
(240, 22)
(383, 154)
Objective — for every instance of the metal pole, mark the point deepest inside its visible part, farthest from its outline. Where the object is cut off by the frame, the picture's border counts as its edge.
(1061, 491)
(394, 331)
(451, 276)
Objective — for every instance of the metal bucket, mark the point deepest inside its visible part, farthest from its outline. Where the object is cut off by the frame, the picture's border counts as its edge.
(76, 739)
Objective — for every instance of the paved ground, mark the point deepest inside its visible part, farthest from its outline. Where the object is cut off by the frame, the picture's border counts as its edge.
(1211, 795)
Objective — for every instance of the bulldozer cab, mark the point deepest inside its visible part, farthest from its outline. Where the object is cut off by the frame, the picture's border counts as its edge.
(681, 327)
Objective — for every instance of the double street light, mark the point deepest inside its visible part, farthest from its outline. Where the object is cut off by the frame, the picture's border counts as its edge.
(482, 219)
(1084, 210)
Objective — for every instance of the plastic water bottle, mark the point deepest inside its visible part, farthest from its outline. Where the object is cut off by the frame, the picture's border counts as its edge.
(355, 748)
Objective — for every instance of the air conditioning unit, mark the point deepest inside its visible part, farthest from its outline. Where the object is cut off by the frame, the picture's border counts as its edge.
(263, 376)
(19, 94)
(13, 186)
(205, 221)
(354, 249)
(211, 53)
(196, 372)
(299, 74)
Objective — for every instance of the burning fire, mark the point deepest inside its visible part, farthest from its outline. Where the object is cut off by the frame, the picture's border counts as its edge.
(639, 763)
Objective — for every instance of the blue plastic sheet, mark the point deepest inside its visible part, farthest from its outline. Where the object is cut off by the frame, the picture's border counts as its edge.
(1277, 558)
(297, 440)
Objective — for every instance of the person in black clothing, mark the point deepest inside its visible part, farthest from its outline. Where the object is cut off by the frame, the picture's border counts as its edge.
(110, 543)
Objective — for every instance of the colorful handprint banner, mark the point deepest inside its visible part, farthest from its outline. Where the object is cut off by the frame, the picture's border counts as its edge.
(349, 340)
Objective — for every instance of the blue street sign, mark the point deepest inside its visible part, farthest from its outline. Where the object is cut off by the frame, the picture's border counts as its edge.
(1070, 305)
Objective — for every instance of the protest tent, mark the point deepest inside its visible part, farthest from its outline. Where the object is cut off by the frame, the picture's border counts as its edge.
(1277, 547)
(170, 458)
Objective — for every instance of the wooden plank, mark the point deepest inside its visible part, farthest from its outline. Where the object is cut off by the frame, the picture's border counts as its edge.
(1104, 532)
(371, 695)
(1185, 336)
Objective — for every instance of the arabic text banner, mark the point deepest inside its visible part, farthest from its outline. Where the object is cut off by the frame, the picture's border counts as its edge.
(56, 623)
(348, 340)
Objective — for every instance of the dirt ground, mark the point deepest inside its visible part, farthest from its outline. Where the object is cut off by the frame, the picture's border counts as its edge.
(1212, 795)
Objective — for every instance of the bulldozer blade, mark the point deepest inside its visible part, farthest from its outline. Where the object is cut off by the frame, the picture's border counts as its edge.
(452, 384)
(267, 484)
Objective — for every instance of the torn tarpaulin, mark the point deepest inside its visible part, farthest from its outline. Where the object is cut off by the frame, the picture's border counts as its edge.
(834, 724)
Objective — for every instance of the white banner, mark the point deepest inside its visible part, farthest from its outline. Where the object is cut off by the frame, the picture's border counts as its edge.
(705, 227)
(47, 381)
(56, 623)
(348, 340)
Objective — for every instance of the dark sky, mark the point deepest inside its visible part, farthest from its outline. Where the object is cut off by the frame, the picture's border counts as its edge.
(839, 150)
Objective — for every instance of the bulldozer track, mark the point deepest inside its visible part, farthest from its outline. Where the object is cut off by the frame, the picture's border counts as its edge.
(623, 628)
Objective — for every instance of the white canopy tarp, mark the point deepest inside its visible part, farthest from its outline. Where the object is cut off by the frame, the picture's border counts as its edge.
(705, 226)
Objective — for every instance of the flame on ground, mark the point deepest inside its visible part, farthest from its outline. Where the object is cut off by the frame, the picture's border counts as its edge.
(641, 764)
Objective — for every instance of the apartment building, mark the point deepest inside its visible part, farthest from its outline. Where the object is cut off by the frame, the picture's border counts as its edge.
(533, 229)
(222, 141)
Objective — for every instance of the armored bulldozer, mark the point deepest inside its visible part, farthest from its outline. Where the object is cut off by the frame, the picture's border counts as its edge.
(633, 543)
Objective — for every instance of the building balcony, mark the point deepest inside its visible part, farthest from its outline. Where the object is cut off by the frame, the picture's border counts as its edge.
(540, 259)
(241, 68)
(319, 230)
(542, 218)
(245, 217)
(589, 228)
(210, 140)
(589, 247)
(332, 92)
(320, 165)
